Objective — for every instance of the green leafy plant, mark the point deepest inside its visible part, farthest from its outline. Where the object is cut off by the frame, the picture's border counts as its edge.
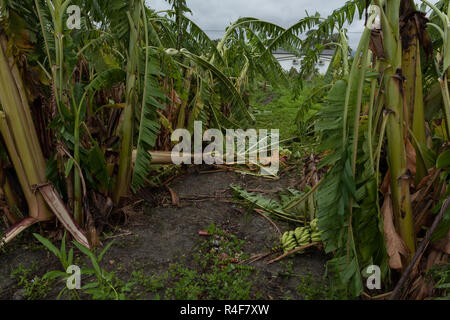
(149, 284)
(312, 289)
(216, 274)
(441, 276)
(66, 259)
(105, 286)
(274, 207)
(34, 287)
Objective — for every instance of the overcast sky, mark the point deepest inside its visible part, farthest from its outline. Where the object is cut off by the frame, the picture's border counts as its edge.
(215, 15)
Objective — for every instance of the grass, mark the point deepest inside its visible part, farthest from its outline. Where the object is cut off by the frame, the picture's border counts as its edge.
(33, 287)
(440, 274)
(276, 109)
(147, 285)
(311, 289)
(215, 274)
(280, 108)
(212, 274)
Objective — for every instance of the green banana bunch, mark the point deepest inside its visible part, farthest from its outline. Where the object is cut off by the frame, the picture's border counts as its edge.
(288, 241)
(295, 238)
(301, 236)
(315, 233)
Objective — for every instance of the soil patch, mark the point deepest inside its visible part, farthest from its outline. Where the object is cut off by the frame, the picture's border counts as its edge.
(154, 238)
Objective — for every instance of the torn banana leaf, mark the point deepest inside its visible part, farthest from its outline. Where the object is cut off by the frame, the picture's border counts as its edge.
(270, 206)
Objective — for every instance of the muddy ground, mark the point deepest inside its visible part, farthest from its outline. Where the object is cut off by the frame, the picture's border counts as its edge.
(155, 237)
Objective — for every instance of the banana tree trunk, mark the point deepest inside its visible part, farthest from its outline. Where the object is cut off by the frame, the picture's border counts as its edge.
(412, 71)
(124, 175)
(20, 136)
(185, 98)
(24, 150)
(395, 125)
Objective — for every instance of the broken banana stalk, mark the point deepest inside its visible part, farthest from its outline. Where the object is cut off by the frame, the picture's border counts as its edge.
(165, 157)
(38, 203)
(21, 141)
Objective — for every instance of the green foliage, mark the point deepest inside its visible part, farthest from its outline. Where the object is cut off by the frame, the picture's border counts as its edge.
(33, 287)
(441, 276)
(149, 284)
(360, 243)
(106, 80)
(271, 206)
(218, 277)
(65, 258)
(311, 289)
(124, 43)
(105, 286)
(443, 163)
(240, 109)
(277, 108)
(149, 126)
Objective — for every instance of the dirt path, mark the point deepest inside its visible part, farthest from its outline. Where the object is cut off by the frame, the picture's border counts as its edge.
(155, 238)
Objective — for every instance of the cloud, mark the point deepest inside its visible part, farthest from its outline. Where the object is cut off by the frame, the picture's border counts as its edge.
(215, 15)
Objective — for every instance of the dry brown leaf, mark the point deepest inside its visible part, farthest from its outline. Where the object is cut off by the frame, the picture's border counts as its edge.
(427, 178)
(11, 216)
(175, 97)
(376, 43)
(421, 289)
(56, 205)
(394, 244)
(385, 186)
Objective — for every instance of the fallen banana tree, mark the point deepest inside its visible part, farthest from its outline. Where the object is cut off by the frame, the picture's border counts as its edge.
(55, 203)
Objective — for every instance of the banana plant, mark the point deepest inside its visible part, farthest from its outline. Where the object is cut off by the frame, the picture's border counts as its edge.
(395, 131)
(414, 37)
(443, 59)
(22, 143)
(131, 99)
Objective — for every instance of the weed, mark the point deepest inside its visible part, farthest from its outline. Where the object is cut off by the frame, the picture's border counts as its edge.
(312, 289)
(150, 284)
(33, 287)
(287, 269)
(441, 275)
(278, 108)
(217, 276)
(105, 286)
